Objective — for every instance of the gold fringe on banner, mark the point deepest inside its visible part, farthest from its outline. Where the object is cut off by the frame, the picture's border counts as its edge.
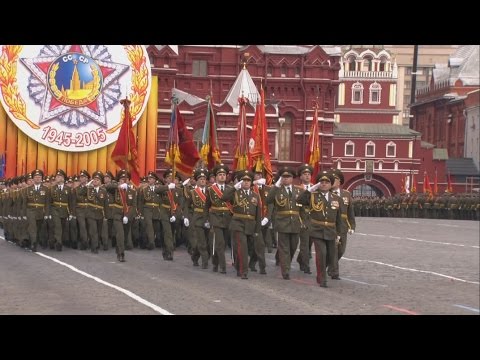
(152, 115)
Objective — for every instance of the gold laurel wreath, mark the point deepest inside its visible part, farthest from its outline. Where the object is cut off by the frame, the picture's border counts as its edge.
(8, 84)
(139, 82)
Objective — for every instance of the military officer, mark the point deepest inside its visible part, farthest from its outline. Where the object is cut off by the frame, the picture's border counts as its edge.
(287, 222)
(62, 202)
(97, 201)
(303, 258)
(325, 224)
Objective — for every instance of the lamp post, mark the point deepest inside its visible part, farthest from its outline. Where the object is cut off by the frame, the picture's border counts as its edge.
(414, 81)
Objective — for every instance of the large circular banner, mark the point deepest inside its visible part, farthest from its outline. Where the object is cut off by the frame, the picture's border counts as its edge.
(67, 97)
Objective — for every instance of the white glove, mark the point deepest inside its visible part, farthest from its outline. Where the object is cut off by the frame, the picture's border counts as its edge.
(24, 218)
(70, 217)
(207, 225)
(337, 240)
(264, 221)
(50, 217)
(314, 187)
(124, 186)
(171, 186)
(125, 220)
(279, 182)
(351, 231)
(172, 219)
(186, 222)
(261, 181)
(186, 182)
(45, 217)
(238, 185)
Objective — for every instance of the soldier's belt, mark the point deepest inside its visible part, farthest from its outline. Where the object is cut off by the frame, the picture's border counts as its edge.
(96, 206)
(454, 206)
(243, 216)
(82, 204)
(152, 204)
(216, 208)
(287, 212)
(344, 216)
(324, 223)
(116, 206)
(35, 205)
(58, 203)
(198, 210)
(166, 206)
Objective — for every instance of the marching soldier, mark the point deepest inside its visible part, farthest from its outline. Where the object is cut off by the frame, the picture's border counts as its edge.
(220, 215)
(303, 258)
(149, 208)
(245, 225)
(347, 213)
(198, 217)
(36, 207)
(170, 210)
(287, 222)
(62, 202)
(325, 225)
(97, 197)
(107, 229)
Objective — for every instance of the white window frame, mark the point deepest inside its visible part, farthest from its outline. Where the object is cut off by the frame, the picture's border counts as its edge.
(375, 87)
(370, 143)
(349, 142)
(357, 87)
(391, 144)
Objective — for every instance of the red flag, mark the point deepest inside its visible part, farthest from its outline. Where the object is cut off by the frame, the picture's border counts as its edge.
(435, 183)
(426, 183)
(125, 152)
(449, 184)
(209, 152)
(312, 155)
(259, 149)
(402, 187)
(240, 161)
(414, 184)
(182, 154)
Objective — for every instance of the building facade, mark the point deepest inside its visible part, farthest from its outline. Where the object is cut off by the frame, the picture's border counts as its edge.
(446, 113)
(293, 77)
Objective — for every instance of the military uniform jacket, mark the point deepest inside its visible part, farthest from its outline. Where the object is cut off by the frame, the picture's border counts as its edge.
(166, 210)
(286, 213)
(347, 211)
(150, 200)
(37, 202)
(219, 213)
(247, 213)
(115, 201)
(197, 207)
(262, 190)
(62, 201)
(325, 215)
(96, 202)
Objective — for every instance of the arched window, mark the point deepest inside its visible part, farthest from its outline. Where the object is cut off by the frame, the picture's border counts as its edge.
(367, 63)
(284, 71)
(395, 166)
(370, 149)
(269, 70)
(357, 93)
(351, 63)
(383, 64)
(375, 92)
(349, 148)
(297, 71)
(284, 138)
(391, 150)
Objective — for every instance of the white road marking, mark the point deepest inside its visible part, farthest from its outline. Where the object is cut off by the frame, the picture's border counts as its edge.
(414, 270)
(420, 240)
(362, 282)
(103, 282)
(467, 308)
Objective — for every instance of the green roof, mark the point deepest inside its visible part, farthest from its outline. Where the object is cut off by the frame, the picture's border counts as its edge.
(367, 130)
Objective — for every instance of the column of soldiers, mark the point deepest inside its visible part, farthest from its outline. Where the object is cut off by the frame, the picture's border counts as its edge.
(99, 211)
(420, 205)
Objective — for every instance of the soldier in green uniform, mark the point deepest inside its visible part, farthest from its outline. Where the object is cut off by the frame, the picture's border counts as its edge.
(62, 202)
(287, 222)
(245, 225)
(346, 211)
(326, 225)
(149, 208)
(196, 210)
(220, 215)
(80, 203)
(303, 258)
(36, 206)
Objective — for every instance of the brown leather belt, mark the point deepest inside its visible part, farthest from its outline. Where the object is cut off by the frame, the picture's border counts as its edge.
(243, 216)
(324, 223)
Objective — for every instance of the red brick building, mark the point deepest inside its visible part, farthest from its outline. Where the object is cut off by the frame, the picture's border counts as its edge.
(370, 145)
(446, 113)
(292, 76)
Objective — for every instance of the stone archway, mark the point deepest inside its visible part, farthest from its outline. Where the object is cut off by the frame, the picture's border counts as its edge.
(379, 183)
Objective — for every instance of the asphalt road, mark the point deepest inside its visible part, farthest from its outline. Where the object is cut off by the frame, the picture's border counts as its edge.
(391, 266)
